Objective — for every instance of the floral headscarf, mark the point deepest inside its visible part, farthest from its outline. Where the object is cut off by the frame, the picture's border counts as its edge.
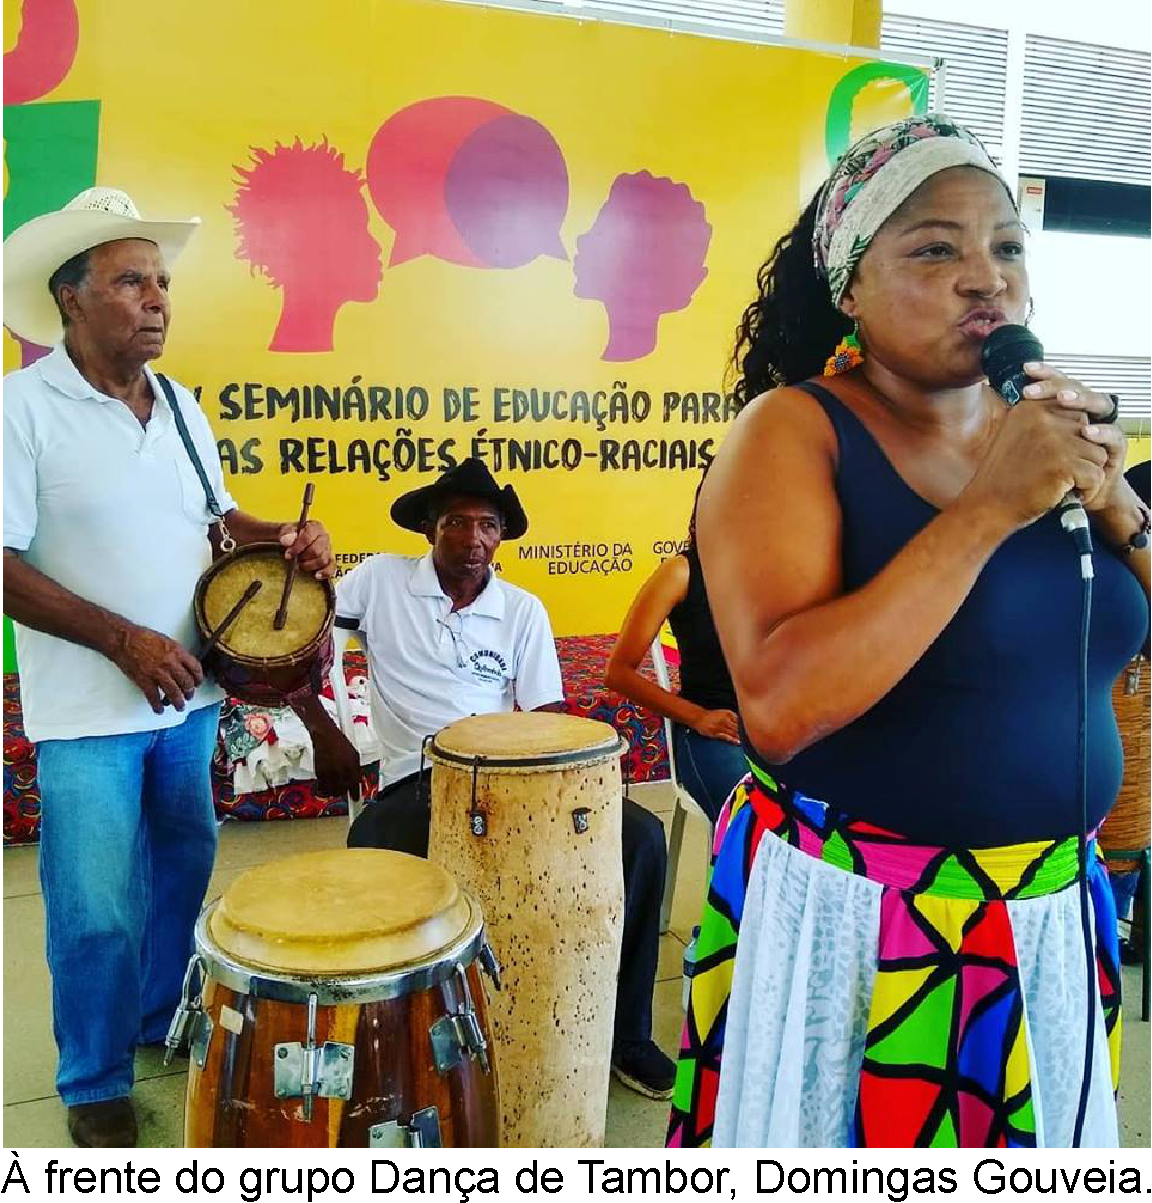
(875, 177)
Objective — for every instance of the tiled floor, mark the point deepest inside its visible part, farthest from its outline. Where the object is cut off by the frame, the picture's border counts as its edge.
(34, 1117)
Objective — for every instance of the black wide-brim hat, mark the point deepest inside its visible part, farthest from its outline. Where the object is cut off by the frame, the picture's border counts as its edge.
(470, 478)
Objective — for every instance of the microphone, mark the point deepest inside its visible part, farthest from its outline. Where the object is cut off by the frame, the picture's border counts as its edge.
(1005, 352)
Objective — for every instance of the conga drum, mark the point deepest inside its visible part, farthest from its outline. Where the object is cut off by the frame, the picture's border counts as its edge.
(1125, 832)
(526, 813)
(253, 661)
(340, 1004)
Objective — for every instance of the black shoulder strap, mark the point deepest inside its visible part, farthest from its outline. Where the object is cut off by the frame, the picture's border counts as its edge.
(822, 394)
(843, 420)
(189, 446)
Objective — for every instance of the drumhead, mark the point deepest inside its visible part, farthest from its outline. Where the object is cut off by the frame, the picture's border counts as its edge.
(526, 739)
(252, 635)
(349, 911)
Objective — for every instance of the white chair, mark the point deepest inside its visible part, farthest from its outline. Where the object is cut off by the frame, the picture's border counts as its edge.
(685, 804)
(340, 638)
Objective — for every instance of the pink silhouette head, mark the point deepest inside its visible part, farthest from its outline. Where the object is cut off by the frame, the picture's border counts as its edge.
(301, 220)
(644, 256)
(470, 182)
(29, 352)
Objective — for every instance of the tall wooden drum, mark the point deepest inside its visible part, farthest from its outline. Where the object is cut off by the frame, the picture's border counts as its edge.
(340, 1005)
(1126, 829)
(526, 813)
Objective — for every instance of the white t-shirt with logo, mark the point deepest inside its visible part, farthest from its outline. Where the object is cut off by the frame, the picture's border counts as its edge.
(430, 666)
(114, 512)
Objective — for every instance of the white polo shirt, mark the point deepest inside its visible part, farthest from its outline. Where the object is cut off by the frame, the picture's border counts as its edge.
(114, 512)
(429, 666)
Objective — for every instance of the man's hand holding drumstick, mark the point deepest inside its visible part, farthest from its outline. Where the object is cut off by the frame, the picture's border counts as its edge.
(308, 543)
(310, 546)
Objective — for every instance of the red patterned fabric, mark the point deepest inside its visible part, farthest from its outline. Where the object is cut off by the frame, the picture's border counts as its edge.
(21, 794)
(583, 659)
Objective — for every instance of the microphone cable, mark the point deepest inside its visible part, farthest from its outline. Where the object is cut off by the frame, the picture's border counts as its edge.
(1082, 844)
(1003, 355)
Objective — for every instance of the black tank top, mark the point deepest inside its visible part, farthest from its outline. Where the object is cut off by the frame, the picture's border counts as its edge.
(976, 745)
(704, 677)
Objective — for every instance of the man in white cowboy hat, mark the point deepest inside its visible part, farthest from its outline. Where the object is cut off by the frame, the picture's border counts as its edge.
(446, 637)
(107, 527)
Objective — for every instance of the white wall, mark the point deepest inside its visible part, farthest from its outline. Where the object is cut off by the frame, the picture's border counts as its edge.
(1106, 22)
(1092, 292)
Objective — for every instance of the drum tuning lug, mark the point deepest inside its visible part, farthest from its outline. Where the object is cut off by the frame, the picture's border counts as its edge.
(421, 1132)
(179, 1031)
(447, 1044)
(202, 1039)
(580, 819)
(455, 1035)
(477, 819)
(490, 964)
(185, 1025)
(307, 1071)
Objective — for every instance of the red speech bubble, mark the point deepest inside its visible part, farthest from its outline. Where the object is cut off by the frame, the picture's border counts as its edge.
(44, 51)
(468, 181)
(407, 163)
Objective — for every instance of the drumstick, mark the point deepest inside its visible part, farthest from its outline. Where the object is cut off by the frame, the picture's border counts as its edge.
(282, 614)
(229, 619)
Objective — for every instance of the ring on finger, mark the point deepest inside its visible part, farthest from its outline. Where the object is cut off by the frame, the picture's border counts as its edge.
(1115, 411)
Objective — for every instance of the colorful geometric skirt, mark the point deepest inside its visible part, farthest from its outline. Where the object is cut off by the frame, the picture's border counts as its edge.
(853, 988)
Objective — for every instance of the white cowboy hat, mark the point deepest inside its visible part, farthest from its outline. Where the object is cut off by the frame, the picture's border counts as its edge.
(33, 251)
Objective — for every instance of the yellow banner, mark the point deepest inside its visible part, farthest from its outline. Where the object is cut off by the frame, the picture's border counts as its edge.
(433, 230)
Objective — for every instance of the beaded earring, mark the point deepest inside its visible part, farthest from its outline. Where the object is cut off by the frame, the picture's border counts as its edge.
(847, 355)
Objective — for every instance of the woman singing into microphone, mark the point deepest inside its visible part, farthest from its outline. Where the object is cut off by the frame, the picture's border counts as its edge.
(892, 951)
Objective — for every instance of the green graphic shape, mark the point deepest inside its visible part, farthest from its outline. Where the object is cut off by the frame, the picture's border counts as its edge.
(9, 646)
(50, 150)
(838, 123)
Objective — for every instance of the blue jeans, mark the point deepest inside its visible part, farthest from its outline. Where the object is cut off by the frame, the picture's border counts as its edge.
(127, 841)
(707, 768)
(1124, 886)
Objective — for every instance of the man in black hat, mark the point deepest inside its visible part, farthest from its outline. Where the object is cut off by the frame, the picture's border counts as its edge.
(447, 638)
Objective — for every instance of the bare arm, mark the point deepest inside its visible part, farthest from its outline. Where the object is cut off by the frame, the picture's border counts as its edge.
(1121, 523)
(659, 595)
(159, 666)
(1117, 526)
(1140, 565)
(334, 758)
(806, 658)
